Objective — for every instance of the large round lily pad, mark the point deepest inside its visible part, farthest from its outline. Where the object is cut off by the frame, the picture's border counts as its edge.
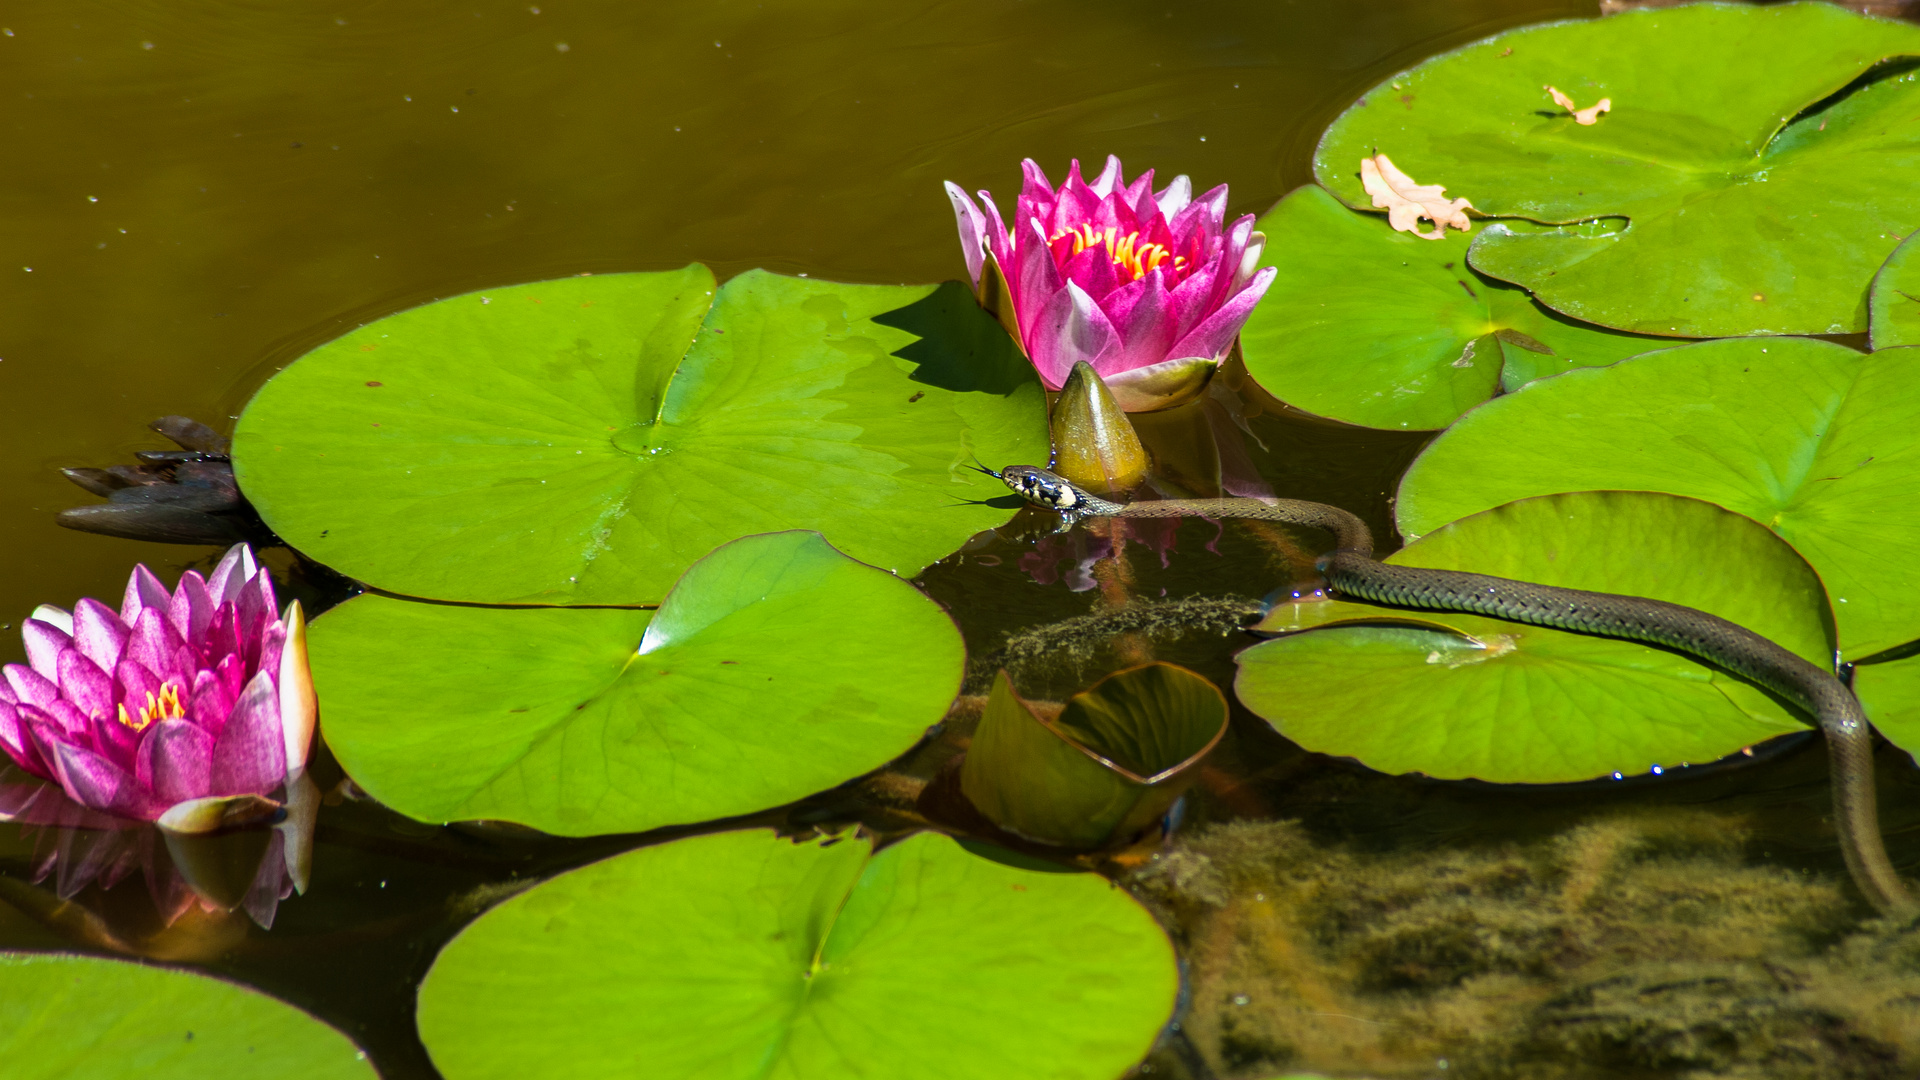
(84, 1018)
(1809, 438)
(1894, 304)
(740, 957)
(777, 667)
(585, 440)
(1740, 207)
(1458, 696)
(1381, 328)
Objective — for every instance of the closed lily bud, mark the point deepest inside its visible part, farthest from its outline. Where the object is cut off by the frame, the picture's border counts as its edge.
(1094, 444)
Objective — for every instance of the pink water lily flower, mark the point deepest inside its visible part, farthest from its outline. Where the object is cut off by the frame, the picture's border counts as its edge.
(160, 710)
(1150, 287)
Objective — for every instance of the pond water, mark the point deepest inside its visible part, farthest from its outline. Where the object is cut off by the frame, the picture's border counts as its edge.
(200, 191)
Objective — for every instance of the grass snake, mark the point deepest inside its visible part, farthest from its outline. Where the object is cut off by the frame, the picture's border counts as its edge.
(1352, 571)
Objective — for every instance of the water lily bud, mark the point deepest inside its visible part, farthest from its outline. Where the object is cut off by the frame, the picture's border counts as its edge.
(1094, 444)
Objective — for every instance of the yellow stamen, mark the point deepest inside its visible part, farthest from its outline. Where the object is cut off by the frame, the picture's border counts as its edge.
(165, 706)
(1130, 253)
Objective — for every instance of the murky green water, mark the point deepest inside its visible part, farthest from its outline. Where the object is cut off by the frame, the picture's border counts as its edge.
(199, 191)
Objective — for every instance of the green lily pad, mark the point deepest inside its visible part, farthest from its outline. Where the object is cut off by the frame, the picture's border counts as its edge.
(1110, 764)
(1741, 214)
(1809, 438)
(84, 1018)
(737, 956)
(777, 667)
(583, 441)
(1381, 328)
(1890, 693)
(1457, 696)
(1894, 303)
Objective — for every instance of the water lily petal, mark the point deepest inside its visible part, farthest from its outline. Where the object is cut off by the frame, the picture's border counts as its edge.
(999, 243)
(1175, 196)
(973, 227)
(1108, 179)
(236, 568)
(44, 642)
(98, 633)
(211, 702)
(1148, 326)
(1071, 330)
(156, 645)
(59, 618)
(86, 686)
(191, 607)
(1214, 336)
(299, 706)
(93, 781)
(1250, 259)
(250, 755)
(1035, 282)
(30, 687)
(223, 635)
(1139, 195)
(19, 744)
(1035, 188)
(175, 761)
(143, 591)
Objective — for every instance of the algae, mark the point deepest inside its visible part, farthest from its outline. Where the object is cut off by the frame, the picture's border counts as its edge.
(1638, 943)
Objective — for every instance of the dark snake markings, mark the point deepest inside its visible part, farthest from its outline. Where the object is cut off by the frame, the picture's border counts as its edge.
(1352, 571)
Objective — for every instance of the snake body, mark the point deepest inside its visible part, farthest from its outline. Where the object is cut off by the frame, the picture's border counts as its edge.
(1351, 570)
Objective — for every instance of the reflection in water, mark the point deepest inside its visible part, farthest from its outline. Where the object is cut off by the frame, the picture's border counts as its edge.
(216, 874)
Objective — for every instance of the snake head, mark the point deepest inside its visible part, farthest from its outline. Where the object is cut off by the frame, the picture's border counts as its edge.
(1042, 488)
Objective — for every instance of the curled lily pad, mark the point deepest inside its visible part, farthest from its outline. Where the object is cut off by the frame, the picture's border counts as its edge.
(1376, 327)
(84, 1018)
(1894, 303)
(739, 956)
(777, 667)
(1809, 438)
(583, 441)
(1890, 692)
(1457, 696)
(1103, 768)
(1748, 197)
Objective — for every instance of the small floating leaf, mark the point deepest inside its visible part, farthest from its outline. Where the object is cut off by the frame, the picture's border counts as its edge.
(1407, 202)
(1373, 327)
(1809, 438)
(84, 1018)
(738, 957)
(777, 667)
(1457, 696)
(1108, 765)
(583, 441)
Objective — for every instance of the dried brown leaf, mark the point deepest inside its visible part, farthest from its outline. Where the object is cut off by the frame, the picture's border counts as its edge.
(1586, 117)
(1407, 202)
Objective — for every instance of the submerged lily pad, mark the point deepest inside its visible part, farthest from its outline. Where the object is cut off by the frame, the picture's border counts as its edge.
(1809, 438)
(738, 956)
(583, 441)
(1894, 304)
(1107, 766)
(1381, 328)
(1739, 207)
(1457, 696)
(1890, 692)
(777, 667)
(84, 1018)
